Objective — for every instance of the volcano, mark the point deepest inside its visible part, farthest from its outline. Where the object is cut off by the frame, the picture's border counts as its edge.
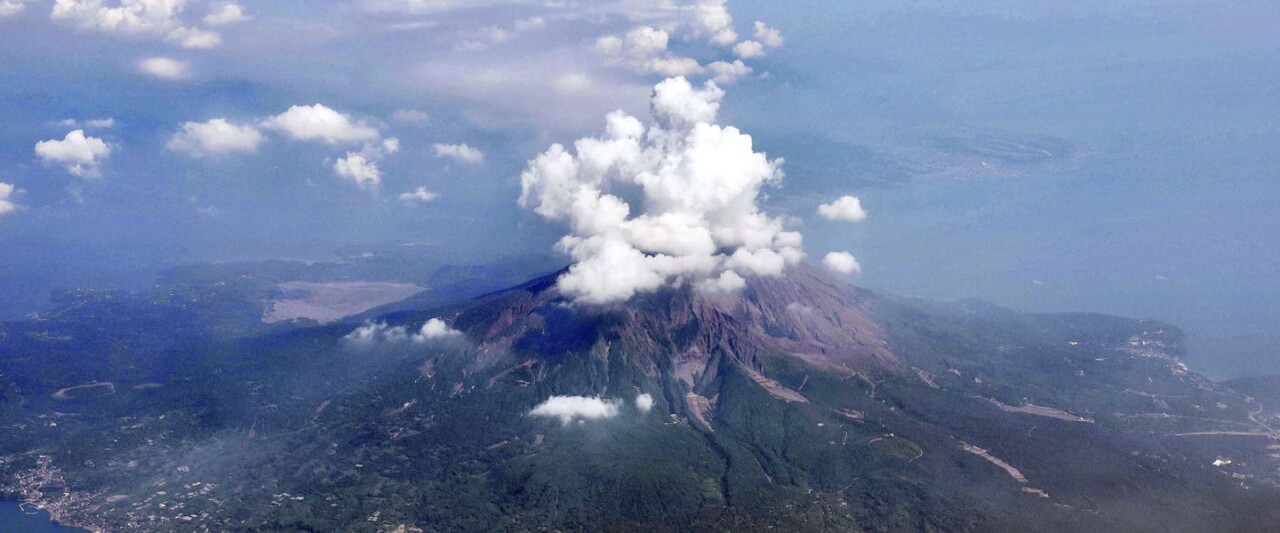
(797, 402)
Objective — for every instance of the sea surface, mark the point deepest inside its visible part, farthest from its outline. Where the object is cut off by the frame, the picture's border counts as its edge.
(17, 518)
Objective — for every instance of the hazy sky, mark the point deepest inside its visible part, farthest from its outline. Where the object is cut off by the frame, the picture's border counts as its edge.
(1117, 157)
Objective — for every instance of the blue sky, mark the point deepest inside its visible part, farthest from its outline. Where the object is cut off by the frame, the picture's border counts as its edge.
(1116, 157)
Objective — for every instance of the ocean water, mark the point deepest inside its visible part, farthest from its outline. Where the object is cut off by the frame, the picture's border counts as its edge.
(15, 518)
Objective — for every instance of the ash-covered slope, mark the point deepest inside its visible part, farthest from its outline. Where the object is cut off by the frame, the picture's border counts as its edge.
(799, 402)
(692, 337)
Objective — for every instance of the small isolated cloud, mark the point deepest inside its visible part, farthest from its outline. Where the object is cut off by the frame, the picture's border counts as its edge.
(644, 402)
(359, 169)
(842, 262)
(225, 13)
(362, 167)
(419, 195)
(726, 73)
(97, 123)
(768, 36)
(11, 8)
(374, 333)
(846, 208)
(135, 19)
(696, 218)
(7, 204)
(81, 155)
(749, 49)
(460, 152)
(215, 137)
(165, 68)
(436, 329)
(570, 408)
(410, 116)
(320, 123)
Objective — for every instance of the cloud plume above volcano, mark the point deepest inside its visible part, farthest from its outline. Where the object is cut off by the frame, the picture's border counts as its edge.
(666, 205)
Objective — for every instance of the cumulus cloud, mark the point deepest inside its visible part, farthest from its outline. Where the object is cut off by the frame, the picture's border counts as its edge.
(437, 329)
(749, 49)
(214, 137)
(697, 219)
(11, 8)
(644, 402)
(165, 68)
(846, 208)
(712, 19)
(225, 13)
(135, 19)
(460, 152)
(842, 262)
(644, 50)
(570, 408)
(362, 167)
(727, 73)
(768, 36)
(420, 195)
(7, 204)
(375, 333)
(320, 123)
(81, 155)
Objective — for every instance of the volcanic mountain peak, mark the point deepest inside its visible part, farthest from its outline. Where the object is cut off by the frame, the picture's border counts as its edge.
(693, 335)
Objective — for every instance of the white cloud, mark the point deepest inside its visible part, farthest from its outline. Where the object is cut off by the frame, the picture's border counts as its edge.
(846, 208)
(435, 329)
(7, 204)
(359, 169)
(842, 262)
(644, 50)
(697, 185)
(726, 73)
(97, 123)
(374, 333)
(570, 408)
(644, 402)
(79, 154)
(319, 123)
(215, 137)
(712, 19)
(362, 167)
(768, 36)
(410, 116)
(11, 8)
(647, 41)
(460, 152)
(225, 13)
(195, 38)
(135, 19)
(749, 49)
(421, 194)
(165, 68)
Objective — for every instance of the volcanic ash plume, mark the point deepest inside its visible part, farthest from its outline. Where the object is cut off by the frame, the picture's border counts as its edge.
(694, 185)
